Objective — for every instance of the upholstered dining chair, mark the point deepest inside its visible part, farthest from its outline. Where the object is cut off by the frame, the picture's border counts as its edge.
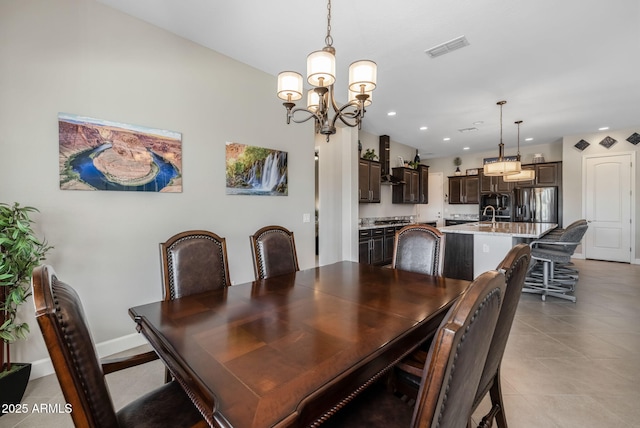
(452, 372)
(193, 262)
(409, 371)
(514, 266)
(274, 252)
(419, 248)
(81, 375)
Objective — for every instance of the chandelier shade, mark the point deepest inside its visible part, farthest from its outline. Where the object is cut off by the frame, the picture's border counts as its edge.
(321, 68)
(502, 166)
(321, 104)
(290, 86)
(363, 76)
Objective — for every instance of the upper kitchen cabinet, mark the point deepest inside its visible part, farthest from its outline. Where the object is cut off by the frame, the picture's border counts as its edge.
(423, 176)
(493, 184)
(408, 190)
(548, 174)
(369, 174)
(464, 189)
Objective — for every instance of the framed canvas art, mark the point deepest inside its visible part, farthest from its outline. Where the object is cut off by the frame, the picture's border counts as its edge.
(97, 154)
(252, 170)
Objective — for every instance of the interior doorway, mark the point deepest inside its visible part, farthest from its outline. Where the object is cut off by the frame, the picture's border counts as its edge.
(433, 210)
(608, 192)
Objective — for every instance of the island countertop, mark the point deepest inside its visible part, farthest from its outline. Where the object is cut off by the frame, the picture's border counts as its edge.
(512, 229)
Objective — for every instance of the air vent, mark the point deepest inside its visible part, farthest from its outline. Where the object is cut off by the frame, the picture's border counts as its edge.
(451, 45)
(472, 129)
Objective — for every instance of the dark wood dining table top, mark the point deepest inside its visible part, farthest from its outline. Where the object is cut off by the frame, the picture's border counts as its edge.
(286, 350)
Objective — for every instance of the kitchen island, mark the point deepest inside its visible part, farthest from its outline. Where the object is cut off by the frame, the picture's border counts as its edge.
(473, 248)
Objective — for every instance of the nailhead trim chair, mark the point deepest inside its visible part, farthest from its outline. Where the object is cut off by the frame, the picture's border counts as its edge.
(81, 375)
(274, 252)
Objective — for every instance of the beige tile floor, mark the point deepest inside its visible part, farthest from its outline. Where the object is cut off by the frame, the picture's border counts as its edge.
(566, 364)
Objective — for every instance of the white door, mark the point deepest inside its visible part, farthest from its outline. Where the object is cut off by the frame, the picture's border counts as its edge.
(433, 210)
(607, 199)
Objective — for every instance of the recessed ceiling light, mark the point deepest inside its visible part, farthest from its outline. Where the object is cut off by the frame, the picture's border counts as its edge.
(480, 122)
(446, 139)
(604, 128)
(528, 139)
(423, 128)
(465, 148)
(391, 113)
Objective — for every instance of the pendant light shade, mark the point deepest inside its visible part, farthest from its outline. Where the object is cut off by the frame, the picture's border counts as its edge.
(502, 166)
(363, 76)
(524, 174)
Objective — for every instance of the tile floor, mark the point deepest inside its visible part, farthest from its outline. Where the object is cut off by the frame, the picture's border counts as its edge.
(566, 364)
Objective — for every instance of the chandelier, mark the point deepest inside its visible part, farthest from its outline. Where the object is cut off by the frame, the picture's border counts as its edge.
(321, 66)
(524, 174)
(502, 166)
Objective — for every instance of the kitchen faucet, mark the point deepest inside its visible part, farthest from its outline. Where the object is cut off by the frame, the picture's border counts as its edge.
(493, 216)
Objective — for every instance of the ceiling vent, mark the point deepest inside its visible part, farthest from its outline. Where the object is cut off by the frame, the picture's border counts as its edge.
(446, 47)
(472, 129)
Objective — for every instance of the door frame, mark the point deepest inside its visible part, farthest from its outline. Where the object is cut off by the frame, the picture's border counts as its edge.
(632, 172)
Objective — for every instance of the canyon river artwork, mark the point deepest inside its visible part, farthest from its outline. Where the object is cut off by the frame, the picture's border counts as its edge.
(98, 154)
(252, 170)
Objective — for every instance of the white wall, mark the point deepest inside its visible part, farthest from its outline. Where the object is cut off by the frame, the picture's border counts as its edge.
(78, 56)
(572, 172)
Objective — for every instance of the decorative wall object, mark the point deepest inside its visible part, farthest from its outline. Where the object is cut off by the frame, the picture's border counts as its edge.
(472, 171)
(581, 145)
(252, 170)
(634, 138)
(97, 154)
(607, 142)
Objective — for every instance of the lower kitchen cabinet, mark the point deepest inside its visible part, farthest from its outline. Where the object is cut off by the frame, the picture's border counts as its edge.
(458, 256)
(371, 246)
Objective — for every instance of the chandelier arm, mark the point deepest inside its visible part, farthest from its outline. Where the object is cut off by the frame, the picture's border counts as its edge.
(343, 115)
(311, 115)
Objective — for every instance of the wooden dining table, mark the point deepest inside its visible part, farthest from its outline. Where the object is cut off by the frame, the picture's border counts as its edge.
(291, 350)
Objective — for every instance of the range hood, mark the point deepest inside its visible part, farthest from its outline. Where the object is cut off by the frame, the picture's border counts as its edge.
(385, 156)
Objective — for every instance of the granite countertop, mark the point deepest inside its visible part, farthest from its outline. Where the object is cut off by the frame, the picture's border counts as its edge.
(513, 229)
(379, 226)
(470, 217)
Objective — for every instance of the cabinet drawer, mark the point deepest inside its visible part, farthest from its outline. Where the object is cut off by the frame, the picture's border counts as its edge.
(366, 233)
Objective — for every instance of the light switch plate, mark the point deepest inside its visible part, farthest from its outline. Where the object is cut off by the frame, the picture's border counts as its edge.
(306, 218)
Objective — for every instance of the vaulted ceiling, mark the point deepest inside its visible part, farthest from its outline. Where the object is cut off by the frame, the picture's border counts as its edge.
(564, 67)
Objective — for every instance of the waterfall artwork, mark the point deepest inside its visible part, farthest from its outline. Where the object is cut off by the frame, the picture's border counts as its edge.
(252, 170)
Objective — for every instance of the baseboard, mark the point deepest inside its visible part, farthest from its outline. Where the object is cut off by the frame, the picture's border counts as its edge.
(44, 367)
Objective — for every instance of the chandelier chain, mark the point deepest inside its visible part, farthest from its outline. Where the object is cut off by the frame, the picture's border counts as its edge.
(329, 40)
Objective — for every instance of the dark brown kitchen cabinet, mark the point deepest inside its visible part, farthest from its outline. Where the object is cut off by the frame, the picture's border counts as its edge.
(408, 190)
(369, 180)
(371, 246)
(548, 174)
(458, 256)
(494, 184)
(423, 176)
(464, 189)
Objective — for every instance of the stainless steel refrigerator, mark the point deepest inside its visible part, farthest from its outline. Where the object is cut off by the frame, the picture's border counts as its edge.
(536, 204)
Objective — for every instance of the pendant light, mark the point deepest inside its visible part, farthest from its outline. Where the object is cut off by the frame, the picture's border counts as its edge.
(524, 174)
(502, 166)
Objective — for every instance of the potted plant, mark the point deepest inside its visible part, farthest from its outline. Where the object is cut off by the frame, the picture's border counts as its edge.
(457, 162)
(20, 252)
(370, 154)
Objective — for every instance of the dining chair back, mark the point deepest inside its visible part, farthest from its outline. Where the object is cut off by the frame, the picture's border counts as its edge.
(81, 375)
(419, 248)
(193, 262)
(452, 371)
(274, 252)
(514, 266)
